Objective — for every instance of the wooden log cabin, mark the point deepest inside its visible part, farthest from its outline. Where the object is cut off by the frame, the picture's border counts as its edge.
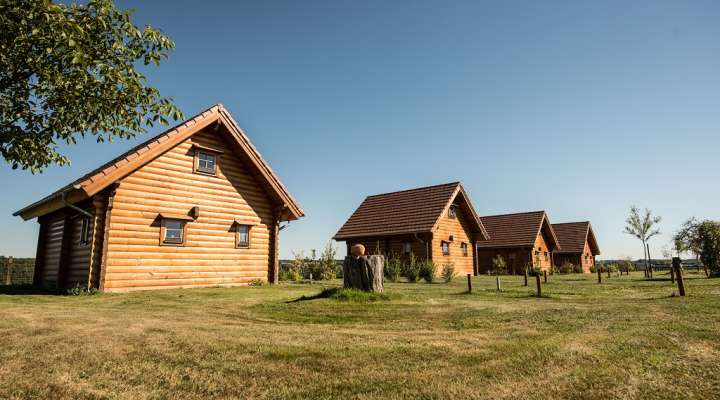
(578, 245)
(437, 223)
(194, 206)
(522, 239)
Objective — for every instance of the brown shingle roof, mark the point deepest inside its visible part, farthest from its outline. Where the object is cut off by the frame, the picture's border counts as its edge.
(407, 211)
(516, 230)
(572, 236)
(119, 167)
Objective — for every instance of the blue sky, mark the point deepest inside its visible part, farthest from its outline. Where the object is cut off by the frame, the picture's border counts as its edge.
(579, 108)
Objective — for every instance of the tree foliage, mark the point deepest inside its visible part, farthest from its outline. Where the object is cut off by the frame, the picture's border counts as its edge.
(688, 237)
(709, 238)
(69, 70)
(641, 225)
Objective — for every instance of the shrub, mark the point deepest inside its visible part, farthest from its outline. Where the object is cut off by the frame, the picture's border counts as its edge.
(81, 291)
(411, 269)
(611, 267)
(566, 268)
(499, 265)
(393, 267)
(257, 282)
(326, 267)
(593, 268)
(294, 271)
(448, 272)
(577, 268)
(427, 270)
(709, 238)
(535, 271)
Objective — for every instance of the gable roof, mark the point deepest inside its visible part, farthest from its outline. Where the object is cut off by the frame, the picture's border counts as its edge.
(573, 235)
(408, 211)
(517, 230)
(128, 162)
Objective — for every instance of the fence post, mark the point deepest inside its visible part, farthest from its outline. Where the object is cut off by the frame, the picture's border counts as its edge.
(539, 288)
(469, 284)
(545, 276)
(8, 271)
(672, 274)
(526, 274)
(599, 272)
(678, 271)
(608, 271)
(497, 282)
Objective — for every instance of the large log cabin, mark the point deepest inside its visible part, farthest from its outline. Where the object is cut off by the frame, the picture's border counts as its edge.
(435, 223)
(578, 245)
(522, 239)
(194, 206)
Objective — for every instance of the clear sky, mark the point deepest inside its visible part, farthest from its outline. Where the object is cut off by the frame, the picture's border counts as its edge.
(580, 108)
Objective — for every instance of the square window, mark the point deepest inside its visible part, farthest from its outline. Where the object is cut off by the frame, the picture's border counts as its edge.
(452, 213)
(407, 248)
(243, 236)
(445, 246)
(464, 247)
(173, 231)
(206, 162)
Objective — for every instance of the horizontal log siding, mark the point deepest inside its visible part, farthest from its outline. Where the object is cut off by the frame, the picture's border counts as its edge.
(460, 230)
(53, 245)
(135, 258)
(542, 247)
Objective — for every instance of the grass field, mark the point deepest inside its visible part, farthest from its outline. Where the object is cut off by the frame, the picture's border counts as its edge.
(626, 338)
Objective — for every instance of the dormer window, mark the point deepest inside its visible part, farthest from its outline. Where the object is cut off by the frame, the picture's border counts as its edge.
(206, 162)
(452, 213)
(206, 159)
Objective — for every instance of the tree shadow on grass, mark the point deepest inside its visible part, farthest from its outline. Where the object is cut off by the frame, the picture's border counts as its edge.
(26, 290)
(324, 294)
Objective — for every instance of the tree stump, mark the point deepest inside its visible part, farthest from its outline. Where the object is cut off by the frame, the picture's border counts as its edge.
(364, 273)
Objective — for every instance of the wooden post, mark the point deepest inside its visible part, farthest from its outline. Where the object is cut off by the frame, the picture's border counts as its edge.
(608, 271)
(678, 272)
(497, 282)
(469, 277)
(526, 274)
(537, 282)
(649, 260)
(672, 274)
(599, 272)
(8, 271)
(545, 276)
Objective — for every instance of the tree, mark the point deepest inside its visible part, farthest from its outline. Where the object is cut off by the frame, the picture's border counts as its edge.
(499, 265)
(641, 226)
(688, 239)
(709, 237)
(69, 70)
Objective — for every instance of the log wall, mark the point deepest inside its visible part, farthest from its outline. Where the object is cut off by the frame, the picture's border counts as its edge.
(135, 258)
(459, 229)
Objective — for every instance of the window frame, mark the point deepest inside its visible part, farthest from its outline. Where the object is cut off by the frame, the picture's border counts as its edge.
(452, 212)
(203, 170)
(244, 245)
(443, 245)
(407, 248)
(163, 232)
(85, 231)
(464, 249)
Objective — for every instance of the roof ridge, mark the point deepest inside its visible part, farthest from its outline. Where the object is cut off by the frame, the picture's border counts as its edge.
(518, 213)
(414, 189)
(568, 223)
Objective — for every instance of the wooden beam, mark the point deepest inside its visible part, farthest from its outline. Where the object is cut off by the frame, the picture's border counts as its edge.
(106, 234)
(40, 252)
(65, 248)
(274, 259)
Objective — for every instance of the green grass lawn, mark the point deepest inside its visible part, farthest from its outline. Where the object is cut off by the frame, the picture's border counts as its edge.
(626, 338)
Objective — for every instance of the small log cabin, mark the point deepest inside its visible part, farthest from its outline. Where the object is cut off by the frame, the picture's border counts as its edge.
(437, 223)
(194, 206)
(521, 239)
(578, 245)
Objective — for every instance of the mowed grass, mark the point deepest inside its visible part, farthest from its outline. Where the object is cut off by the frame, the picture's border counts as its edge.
(625, 338)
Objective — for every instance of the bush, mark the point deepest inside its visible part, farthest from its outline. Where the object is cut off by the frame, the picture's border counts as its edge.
(499, 265)
(81, 291)
(709, 237)
(294, 271)
(326, 267)
(427, 270)
(257, 282)
(393, 268)
(593, 268)
(448, 272)
(535, 271)
(566, 268)
(577, 268)
(411, 269)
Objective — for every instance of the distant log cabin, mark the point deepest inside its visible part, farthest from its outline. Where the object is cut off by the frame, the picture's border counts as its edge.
(522, 239)
(194, 206)
(578, 245)
(437, 223)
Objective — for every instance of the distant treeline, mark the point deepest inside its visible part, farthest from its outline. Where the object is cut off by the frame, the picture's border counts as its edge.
(20, 272)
